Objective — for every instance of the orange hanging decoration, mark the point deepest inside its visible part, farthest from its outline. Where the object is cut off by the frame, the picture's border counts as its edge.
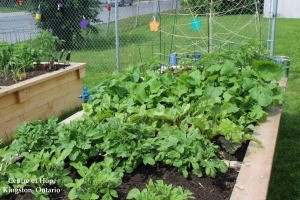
(154, 25)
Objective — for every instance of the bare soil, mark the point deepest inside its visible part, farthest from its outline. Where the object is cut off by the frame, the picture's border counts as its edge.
(38, 70)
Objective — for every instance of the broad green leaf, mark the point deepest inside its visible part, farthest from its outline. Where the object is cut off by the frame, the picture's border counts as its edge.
(133, 194)
(248, 83)
(87, 108)
(256, 113)
(72, 194)
(229, 69)
(262, 95)
(141, 93)
(229, 146)
(113, 193)
(227, 96)
(268, 70)
(147, 159)
(209, 170)
(213, 92)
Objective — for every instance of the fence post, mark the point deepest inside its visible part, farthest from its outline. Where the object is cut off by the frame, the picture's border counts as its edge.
(273, 32)
(137, 14)
(117, 35)
(210, 25)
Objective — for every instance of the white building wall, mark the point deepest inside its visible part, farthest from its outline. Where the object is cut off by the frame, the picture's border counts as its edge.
(286, 8)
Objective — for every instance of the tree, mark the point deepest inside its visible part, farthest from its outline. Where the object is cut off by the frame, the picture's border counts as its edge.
(63, 18)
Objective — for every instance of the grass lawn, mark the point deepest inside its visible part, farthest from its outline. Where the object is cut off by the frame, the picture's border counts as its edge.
(285, 180)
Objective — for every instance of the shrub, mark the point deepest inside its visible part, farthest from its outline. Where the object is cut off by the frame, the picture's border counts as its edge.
(64, 21)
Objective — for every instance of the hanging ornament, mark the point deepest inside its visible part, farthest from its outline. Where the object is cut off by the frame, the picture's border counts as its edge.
(196, 24)
(60, 6)
(197, 57)
(84, 23)
(154, 25)
(20, 2)
(173, 59)
(38, 14)
(108, 7)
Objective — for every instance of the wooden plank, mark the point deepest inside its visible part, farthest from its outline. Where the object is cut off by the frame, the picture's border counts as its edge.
(40, 79)
(12, 98)
(9, 127)
(38, 100)
(254, 175)
(63, 105)
(81, 73)
(53, 83)
(22, 95)
(55, 107)
(8, 100)
(253, 179)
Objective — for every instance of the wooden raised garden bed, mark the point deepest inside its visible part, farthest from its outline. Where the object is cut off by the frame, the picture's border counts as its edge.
(40, 97)
(255, 172)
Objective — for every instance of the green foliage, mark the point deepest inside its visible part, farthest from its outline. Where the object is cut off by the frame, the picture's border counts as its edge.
(160, 191)
(5, 55)
(268, 70)
(20, 57)
(64, 22)
(97, 181)
(182, 119)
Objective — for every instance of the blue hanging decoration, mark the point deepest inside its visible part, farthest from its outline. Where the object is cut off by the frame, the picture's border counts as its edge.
(197, 57)
(196, 24)
(85, 96)
(173, 59)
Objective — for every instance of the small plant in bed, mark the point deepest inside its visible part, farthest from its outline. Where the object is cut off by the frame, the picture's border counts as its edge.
(22, 60)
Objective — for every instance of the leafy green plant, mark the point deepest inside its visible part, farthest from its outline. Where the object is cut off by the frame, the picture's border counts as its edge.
(45, 43)
(20, 57)
(23, 56)
(97, 181)
(160, 191)
(5, 54)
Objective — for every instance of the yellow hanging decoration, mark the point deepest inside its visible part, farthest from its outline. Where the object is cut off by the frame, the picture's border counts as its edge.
(38, 14)
(154, 25)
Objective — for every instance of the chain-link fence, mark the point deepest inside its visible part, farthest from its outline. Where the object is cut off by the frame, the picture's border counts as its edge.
(147, 29)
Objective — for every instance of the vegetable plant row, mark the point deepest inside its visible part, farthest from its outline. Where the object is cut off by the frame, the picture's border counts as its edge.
(184, 118)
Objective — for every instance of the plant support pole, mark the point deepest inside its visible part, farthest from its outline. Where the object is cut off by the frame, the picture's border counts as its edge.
(274, 15)
(137, 15)
(117, 35)
(210, 28)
